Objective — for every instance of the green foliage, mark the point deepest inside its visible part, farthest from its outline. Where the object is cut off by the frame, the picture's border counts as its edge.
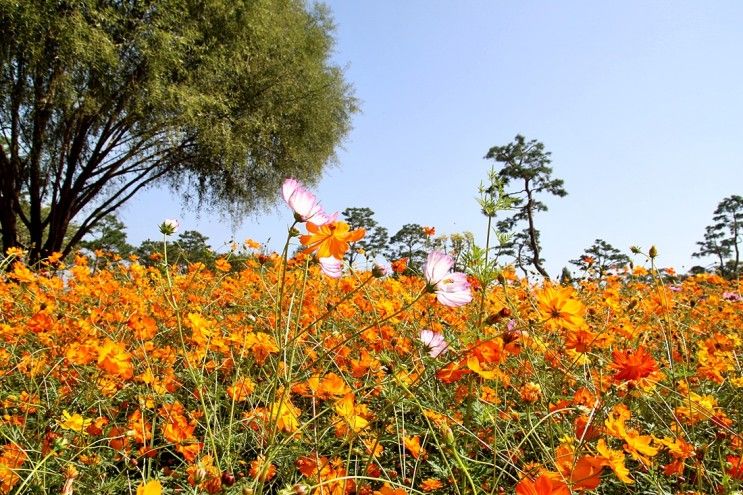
(526, 163)
(219, 99)
(375, 240)
(191, 246)
(599, 258)
(722, 238)
(108, 235)
(409, 242)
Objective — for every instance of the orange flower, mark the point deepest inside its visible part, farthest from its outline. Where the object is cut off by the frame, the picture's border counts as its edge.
(261, 470)
(615, 460)
(431, 484)
(330, 239)
(413, 445)
(241, 389)
(152, 487)
(559, 307)
(113, 358)
(400, 265)
(633, 365)
(544, 485)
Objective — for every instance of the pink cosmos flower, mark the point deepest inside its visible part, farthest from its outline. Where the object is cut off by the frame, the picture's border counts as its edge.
(435, 342)
(452, 289)
(305, 205)
(332, 267)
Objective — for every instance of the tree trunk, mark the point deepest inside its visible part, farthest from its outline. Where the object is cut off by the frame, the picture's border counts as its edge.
(533, 233)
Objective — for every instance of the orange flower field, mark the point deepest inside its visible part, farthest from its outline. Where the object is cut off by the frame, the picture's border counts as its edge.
(266, 376)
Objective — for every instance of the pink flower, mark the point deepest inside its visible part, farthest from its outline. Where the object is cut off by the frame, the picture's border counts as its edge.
(332, 267)
(305, 205)
(452, 289)
(437, 267)
(435, 342)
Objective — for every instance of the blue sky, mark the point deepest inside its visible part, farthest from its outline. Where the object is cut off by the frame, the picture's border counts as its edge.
(640, 104)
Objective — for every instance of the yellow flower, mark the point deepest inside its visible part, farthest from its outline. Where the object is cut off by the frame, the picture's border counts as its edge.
(74, 422)
(152, 487)
(557, 305)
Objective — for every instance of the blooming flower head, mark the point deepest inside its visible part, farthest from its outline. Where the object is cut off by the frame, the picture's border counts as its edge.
(330, 239)
(452, 289)
(305, 205)
(74, 422)
(434, 341)
(332, 267)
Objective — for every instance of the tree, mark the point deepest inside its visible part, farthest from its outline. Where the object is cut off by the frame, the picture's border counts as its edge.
(722, 238)
(192, 247)
(408, 242)
(108, 235)
(599, 258)
(220, 100)
(376, 236)
(526, 162)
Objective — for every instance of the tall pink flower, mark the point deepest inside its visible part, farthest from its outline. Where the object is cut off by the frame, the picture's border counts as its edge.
(452, 289)
(305, 205)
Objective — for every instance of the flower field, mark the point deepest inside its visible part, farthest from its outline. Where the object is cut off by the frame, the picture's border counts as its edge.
(272, 374)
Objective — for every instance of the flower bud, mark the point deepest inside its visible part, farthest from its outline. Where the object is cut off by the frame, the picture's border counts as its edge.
(169, 226)
(653, 252)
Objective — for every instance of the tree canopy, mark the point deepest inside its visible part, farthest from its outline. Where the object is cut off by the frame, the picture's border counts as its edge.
(526, 163)
(218, 99)
(722, 238)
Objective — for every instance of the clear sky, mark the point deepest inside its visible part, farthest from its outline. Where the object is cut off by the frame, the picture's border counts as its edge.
(640, 103)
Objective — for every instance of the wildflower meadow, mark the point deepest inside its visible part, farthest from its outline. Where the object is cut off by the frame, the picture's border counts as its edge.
(300, 374)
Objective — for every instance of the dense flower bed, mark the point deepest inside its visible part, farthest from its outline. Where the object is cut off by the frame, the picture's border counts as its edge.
(266, 376)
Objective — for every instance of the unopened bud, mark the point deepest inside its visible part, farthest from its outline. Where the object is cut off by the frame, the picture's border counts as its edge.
(635, 249)
(653, 252)
(293, 232)
(169, 226)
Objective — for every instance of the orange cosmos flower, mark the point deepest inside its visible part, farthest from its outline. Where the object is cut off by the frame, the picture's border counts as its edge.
(262, 470)
(633, 364)
(399, 266)
(431, 484)
(330, 239)
(152, 487)
(413, 445)
(544, 485)
(615, 460)
(560, 308)
(113, 358)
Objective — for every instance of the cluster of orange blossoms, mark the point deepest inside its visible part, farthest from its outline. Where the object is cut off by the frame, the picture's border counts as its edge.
(129, 379)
